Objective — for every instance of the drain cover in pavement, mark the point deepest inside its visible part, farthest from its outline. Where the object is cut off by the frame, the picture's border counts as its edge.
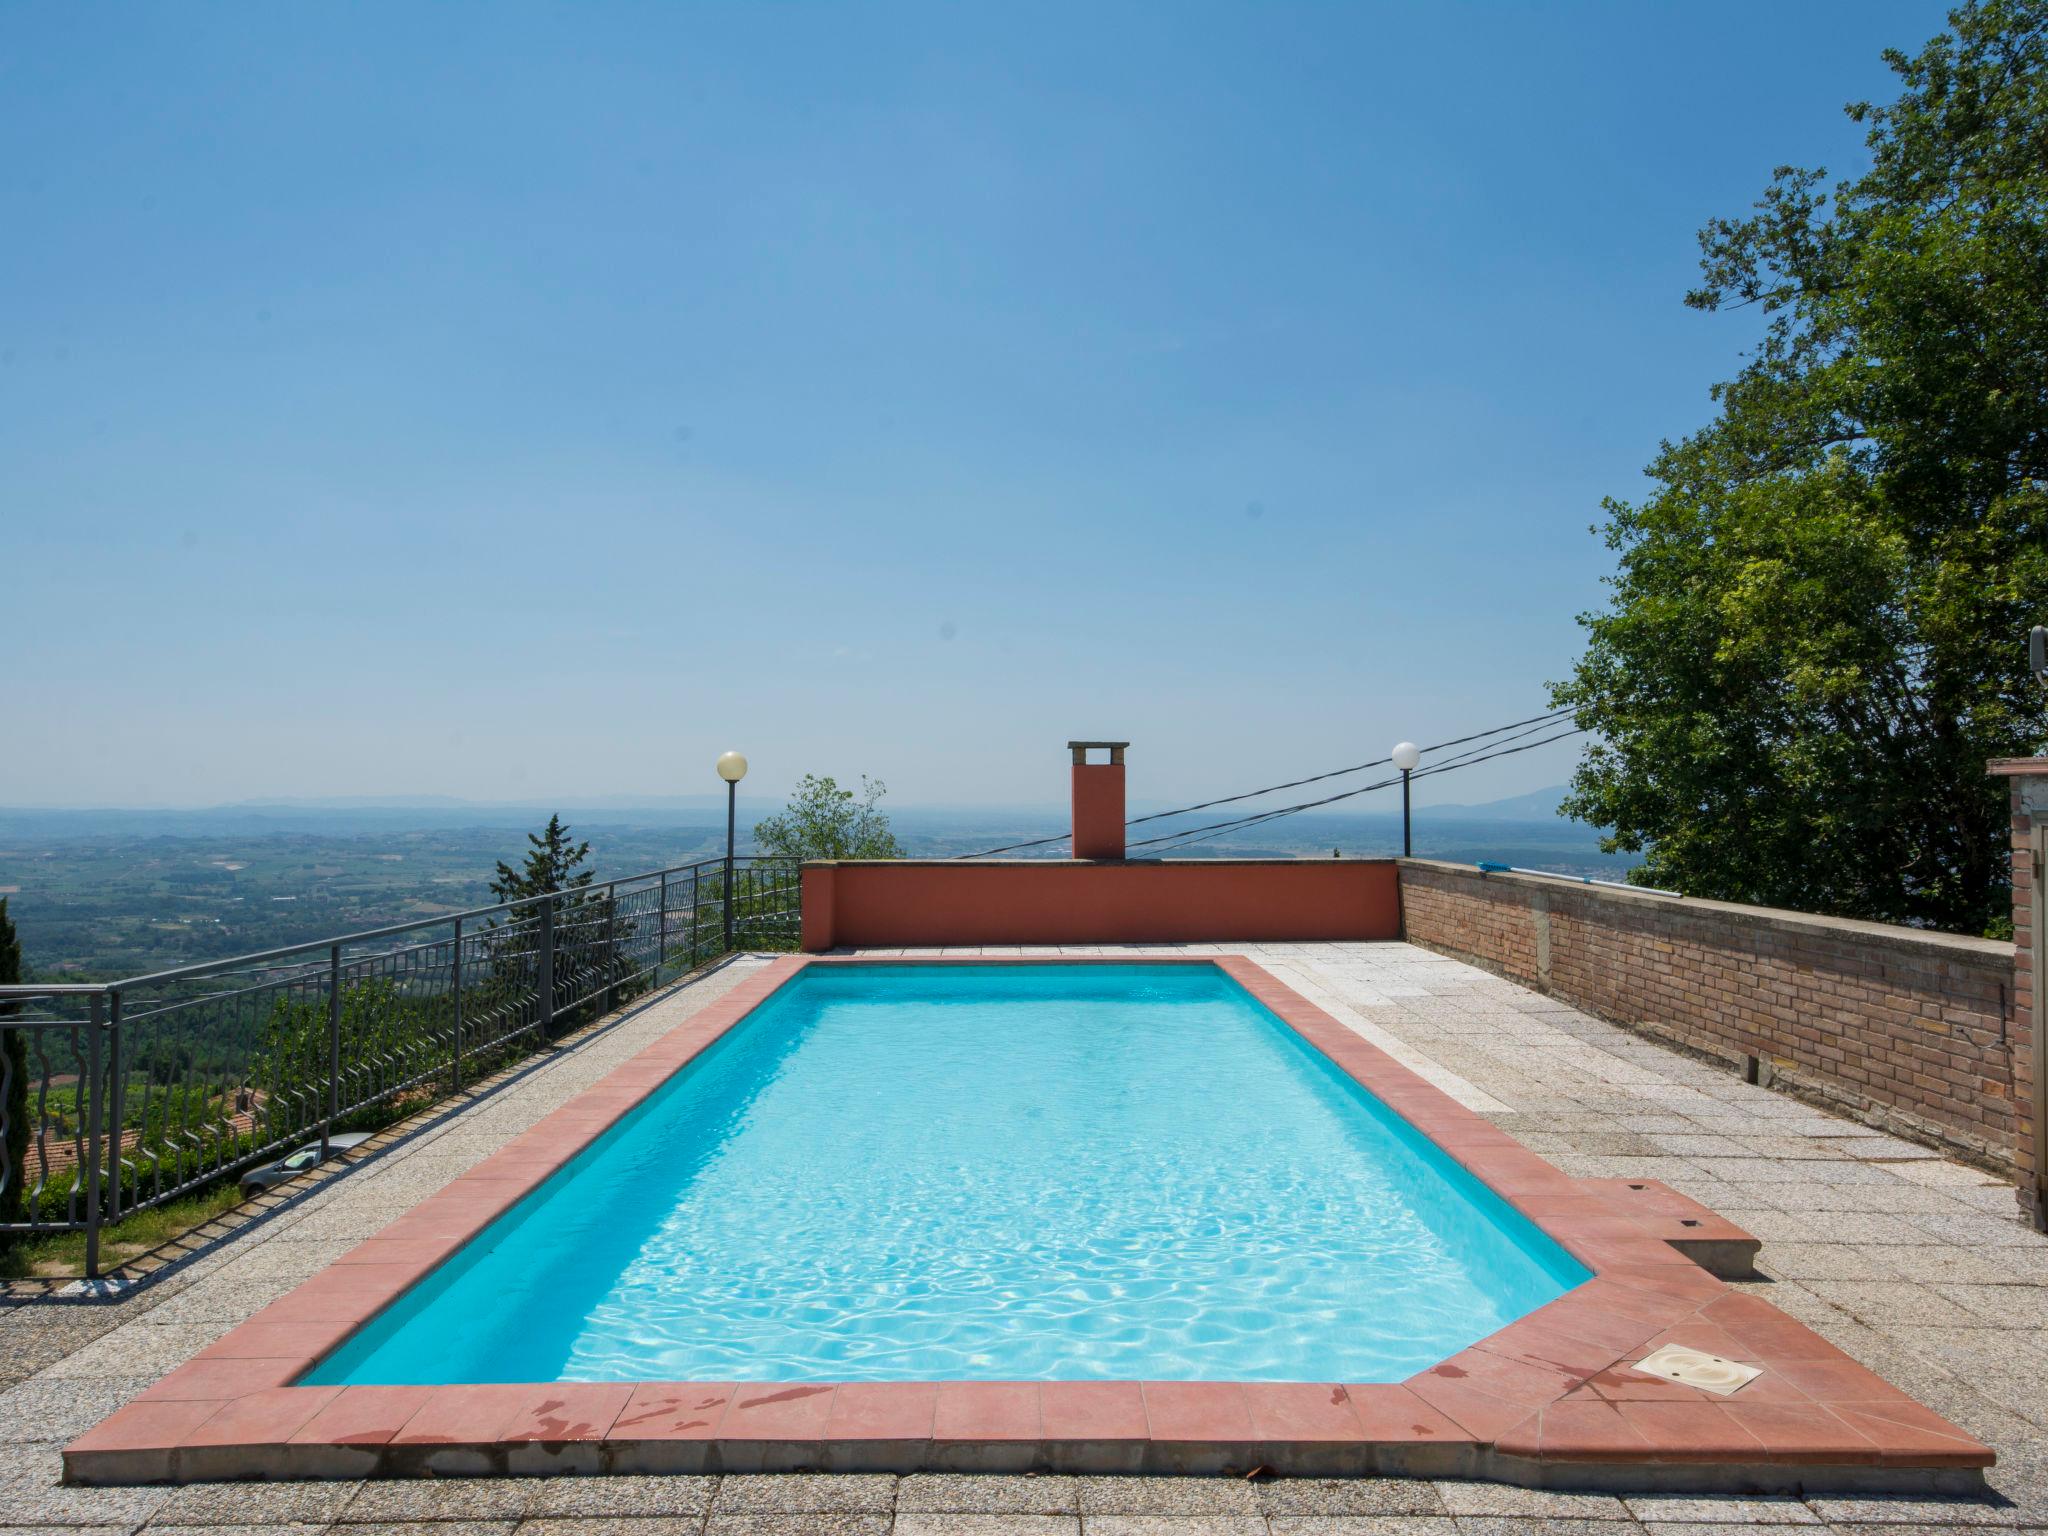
(1697, 1368)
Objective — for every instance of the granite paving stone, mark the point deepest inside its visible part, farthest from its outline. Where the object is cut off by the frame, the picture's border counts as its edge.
(1911, 1511)
(48, 1407)
(962, 1524)
(131, 1352)
(605, 1497)
(1463, 1498)
(1167, 1496)
(804, 1492)
(611, 1525)
(1731, 1510)
(941, 1493)
(257, 1503)
(793, 1523)
(1350, 1496)
(52, 1504)
(403, 1500)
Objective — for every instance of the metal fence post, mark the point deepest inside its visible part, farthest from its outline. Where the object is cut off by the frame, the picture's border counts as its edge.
(118, 1096)
(611, 946)
(333, 1046)
(661, 950)
(455, 985)
(547, 968)
(93, 1089)
(728, 904)
(694, 899)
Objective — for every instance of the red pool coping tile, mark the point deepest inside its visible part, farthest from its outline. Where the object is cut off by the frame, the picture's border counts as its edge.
(662, 1411)
(1550, 1397)
(363, 1416)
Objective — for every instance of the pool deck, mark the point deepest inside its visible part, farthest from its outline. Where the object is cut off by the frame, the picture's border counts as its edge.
(1912, 1264)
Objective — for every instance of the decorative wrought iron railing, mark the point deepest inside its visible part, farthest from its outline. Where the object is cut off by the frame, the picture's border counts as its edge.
(119, 1096)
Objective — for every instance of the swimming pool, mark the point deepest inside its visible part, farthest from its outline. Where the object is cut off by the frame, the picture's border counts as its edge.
(984, 1172)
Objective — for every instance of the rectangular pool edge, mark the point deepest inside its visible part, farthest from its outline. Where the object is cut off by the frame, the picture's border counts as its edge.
(1547, 1398)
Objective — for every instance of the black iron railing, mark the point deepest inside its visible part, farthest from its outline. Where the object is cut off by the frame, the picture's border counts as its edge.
(120, 1096)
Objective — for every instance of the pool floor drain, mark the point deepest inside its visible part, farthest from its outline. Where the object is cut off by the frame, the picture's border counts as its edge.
(1697, 1368)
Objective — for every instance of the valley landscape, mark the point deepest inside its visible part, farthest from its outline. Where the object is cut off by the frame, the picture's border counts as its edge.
(100, 895)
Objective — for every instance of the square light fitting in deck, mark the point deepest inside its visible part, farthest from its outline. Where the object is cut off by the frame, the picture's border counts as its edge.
(1697, 1368)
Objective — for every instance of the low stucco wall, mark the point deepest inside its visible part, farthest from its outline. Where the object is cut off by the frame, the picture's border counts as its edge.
(1903, 1027)
(902, 903)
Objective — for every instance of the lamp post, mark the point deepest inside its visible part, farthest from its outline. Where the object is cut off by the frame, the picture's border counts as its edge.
(1405, 755)
(732, 767)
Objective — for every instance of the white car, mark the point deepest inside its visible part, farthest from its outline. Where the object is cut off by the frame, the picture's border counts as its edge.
(290, 1166)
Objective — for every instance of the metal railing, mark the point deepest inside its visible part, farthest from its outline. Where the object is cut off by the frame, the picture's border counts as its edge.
(120, 1096)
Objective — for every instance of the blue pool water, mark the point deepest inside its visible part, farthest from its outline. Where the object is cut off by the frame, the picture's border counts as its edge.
(1036, 1172)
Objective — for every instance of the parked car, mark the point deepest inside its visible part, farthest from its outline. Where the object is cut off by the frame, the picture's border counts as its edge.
(290, 1166)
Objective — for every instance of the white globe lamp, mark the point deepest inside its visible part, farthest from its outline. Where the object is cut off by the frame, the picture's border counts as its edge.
(1406, 755)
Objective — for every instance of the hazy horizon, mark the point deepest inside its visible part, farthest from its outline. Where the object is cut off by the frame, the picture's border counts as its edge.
(1384, 804)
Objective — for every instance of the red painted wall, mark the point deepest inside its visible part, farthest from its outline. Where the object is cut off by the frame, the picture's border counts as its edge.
(1098, 810)
(900, 903)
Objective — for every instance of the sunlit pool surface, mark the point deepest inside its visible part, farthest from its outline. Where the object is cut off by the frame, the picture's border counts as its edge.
(984, 1172)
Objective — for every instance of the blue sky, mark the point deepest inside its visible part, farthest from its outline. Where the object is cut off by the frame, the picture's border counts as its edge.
(511, 401)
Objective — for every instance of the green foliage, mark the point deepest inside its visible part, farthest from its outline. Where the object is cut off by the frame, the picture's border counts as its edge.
(1816, 635)
(14, 1067)
(551, 862)
(386, 1039)
(823, 821)
(63, 1253)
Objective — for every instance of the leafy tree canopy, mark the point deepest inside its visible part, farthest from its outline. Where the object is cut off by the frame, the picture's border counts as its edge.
(1816, 634)
(551, 866)
(823, 821)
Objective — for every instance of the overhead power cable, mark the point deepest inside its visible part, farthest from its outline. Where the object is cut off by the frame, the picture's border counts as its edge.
(1493, 739)
(1334, 773)
(1534, 721)
(1465, 760)
(1217, 829)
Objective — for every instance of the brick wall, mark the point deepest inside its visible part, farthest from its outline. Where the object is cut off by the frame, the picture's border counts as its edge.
(1904, 1028)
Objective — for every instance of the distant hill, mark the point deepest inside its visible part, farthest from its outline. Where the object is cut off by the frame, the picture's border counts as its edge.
(1537, 805)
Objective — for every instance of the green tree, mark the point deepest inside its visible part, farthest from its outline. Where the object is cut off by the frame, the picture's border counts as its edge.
(823, 821)
(1816, 633)
(14, 1065)
(590, 968)
(550, 867)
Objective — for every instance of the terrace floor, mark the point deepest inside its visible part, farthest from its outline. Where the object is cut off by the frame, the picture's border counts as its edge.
(1916, 1265)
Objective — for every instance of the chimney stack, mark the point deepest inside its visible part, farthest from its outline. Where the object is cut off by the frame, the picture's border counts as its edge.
(1098, 801)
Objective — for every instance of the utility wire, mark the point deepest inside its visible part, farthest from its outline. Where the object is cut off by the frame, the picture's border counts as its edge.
(1188, 837)
(1534, 721)
(1459, 761)
(1463, 760)
(1217, 829)
(1317, 778)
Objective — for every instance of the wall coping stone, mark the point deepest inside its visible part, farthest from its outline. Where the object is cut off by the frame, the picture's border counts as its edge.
(1139, 863)
(1960, 947)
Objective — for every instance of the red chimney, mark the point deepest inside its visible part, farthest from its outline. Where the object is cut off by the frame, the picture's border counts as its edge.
(1098, 801)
